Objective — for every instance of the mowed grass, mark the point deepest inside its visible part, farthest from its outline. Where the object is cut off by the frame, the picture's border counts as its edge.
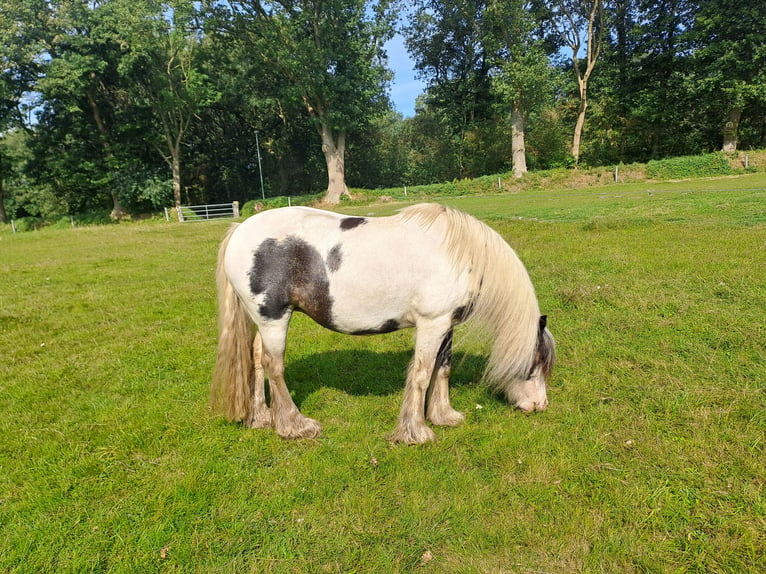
(650, 457)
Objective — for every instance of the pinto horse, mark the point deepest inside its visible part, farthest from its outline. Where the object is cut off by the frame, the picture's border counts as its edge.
(429, 267)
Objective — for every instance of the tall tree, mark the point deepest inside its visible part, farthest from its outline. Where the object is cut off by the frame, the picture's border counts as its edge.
(324, 56)
(487, 70)
(642, 88)
(578, 22)
(82, 80)
(21, 45)
(523, 74)
(450, 43)
(166, 75)
(731, 54)
(661, 89)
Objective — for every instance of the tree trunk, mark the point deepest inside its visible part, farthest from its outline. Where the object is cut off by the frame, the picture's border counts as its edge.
(3, 214)
(580, 121)
(334, 154)
(118, 211)
(176, 167)
(174, 129)
(594, 38)
(518, 149)
(730, 130)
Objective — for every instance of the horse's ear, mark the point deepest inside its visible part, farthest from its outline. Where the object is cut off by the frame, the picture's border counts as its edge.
(543, 322)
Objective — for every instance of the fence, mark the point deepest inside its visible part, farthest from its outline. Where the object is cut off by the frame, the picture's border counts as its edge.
(207, 212)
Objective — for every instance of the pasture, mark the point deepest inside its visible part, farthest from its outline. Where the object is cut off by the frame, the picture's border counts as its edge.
(650, 457)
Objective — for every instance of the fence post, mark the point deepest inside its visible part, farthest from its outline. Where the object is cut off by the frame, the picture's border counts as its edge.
(13, 225)
(235, 208)
(180, 214)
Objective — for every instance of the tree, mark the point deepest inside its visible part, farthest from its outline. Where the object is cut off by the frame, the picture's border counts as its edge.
(661, 89)
(731, 55)
(523, 72)
(487, 70)
(451, 44)
(642, 89)
(578, 21)
(165, 76)
(21, 41)
(324, 57)
(82, 83)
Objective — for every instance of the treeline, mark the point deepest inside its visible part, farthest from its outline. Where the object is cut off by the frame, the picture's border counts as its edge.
(133, 105)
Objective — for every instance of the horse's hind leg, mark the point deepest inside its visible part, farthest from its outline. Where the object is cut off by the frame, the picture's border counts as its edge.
(287, 419)
(440, 412)
(260, 415)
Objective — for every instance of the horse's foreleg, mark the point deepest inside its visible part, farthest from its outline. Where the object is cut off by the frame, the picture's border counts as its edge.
(260, 415)
(411, 427)
(440, 412)
(287, 419)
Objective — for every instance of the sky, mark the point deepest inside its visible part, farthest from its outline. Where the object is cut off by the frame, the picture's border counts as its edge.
(404, 88)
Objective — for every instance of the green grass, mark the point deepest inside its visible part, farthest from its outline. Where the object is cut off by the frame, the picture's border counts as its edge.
(650, 457)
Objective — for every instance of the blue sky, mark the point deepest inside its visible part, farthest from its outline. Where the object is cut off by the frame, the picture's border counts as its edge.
(405, 88)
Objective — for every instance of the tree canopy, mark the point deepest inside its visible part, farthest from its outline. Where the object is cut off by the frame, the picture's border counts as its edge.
(133, 105)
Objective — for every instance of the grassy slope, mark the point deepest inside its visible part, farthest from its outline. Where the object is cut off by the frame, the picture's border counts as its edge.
(650, 458)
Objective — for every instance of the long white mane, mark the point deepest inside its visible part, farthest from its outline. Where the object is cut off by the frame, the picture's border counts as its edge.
(505, 299)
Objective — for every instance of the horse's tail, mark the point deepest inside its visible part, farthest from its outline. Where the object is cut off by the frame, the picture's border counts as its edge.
(230, 392)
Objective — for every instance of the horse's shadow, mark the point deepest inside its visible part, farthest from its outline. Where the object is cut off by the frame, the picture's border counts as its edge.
(366, 373)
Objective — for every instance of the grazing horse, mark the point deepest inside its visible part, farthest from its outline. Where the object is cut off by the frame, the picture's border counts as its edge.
(429, 267)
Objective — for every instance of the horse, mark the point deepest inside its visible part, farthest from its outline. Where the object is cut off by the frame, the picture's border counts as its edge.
(429, 266)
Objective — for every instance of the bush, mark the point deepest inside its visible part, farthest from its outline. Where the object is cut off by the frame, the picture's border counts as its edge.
(689, 166)
(141, 189)
(95, 217)
(29, 223)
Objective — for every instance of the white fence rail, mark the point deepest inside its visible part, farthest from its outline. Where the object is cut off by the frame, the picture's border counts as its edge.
(207, 212)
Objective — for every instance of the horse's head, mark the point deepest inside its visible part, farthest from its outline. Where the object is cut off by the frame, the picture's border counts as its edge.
(530, 395)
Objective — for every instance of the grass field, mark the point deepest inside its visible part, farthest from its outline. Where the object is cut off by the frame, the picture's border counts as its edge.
(650, 457)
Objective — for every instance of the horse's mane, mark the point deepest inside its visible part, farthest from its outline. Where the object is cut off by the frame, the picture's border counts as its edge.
(505, 299)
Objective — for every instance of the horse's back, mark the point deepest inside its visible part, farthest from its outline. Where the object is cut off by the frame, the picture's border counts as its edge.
(288, 220)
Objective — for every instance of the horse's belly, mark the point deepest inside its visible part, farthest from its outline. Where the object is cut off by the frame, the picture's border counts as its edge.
(391, 299)
(364, 317)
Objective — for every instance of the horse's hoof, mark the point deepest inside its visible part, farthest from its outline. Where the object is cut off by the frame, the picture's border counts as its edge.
(259, 419)
(451, 418)
(412, 435)
(300, 427)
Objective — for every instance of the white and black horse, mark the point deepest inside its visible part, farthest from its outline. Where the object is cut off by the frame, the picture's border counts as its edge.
(429, 267)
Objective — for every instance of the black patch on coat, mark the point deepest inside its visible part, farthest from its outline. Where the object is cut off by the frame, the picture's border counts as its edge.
(291, 273)
(334, 258)
(351, 222)
(461, 314)
(444, 356)
(387, 327)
